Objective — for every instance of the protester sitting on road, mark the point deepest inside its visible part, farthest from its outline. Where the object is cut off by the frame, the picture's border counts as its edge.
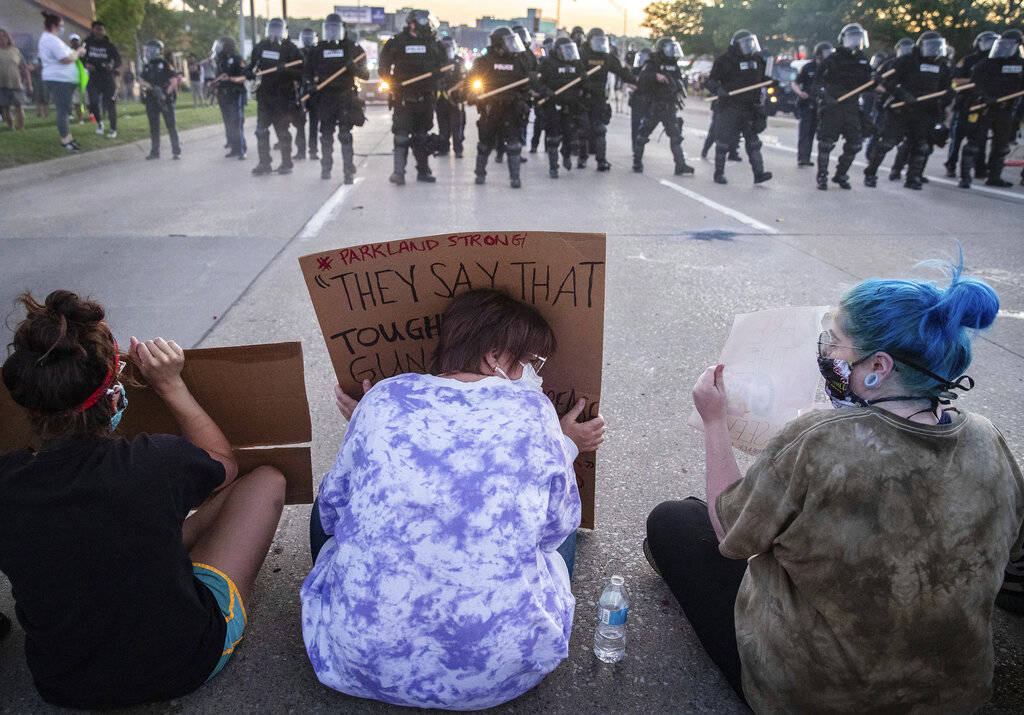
(15, 81)
(863, 550)
(60, 73)
(123, 600)
(444, 536)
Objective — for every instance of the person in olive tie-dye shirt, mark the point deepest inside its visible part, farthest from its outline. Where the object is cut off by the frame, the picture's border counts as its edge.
(855, 567)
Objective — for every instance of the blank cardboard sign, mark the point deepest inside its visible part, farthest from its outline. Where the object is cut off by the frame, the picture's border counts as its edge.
(255, 393)
(380, 304)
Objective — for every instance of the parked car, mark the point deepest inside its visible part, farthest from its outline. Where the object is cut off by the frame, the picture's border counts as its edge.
(782, 98)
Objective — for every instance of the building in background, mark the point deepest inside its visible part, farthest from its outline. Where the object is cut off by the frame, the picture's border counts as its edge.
(24, 21)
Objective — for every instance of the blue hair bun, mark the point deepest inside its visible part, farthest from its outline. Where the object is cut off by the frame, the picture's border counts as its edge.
(967, 302)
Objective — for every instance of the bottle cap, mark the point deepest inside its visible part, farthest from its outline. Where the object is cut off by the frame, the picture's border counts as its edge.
(618, 580)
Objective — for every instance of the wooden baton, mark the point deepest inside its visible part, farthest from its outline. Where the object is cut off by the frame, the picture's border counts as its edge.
(933, 95)
(274, 69)
(741, 90)
(333, 77)
(568, 84)
(864, 86)
(417, 78)
(499, 90)
(978, 107)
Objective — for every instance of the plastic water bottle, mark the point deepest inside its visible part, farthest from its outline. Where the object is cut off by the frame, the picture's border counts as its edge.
(612, 611)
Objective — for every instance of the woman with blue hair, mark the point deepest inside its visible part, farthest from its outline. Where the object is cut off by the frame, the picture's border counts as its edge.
(855, 567)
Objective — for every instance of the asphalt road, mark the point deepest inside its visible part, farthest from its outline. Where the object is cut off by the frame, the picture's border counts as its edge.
(200, 251)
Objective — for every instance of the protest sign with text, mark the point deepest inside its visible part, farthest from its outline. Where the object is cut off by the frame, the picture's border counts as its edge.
(380, 305)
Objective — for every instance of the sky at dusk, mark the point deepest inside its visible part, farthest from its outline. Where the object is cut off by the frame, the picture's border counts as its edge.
(588, 13)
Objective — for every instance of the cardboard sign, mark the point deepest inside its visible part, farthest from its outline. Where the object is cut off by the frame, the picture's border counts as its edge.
(380, 305)
(771, 374)
(256, 394)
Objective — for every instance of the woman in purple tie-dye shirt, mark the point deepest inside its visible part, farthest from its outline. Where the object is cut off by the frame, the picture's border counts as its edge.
(444, 535)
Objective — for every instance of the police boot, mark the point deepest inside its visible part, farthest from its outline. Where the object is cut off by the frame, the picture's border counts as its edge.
(720, 156)
(681, 166)
(966, 168)
(482, 152)
(995, 171)
(902, 153)
(638, 156)
(567, 161)
(515, 160)
(401, 155)
(915, 167)
(499, 155)
(285, 167)
(757, 164)
(822, 170)
(842, 176)
(347, 155)
(553, 161)
(951, 168)
(734, 154)
(871, 170)
(300, 146)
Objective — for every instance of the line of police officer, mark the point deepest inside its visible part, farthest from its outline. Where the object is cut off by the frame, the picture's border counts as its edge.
(903, 101)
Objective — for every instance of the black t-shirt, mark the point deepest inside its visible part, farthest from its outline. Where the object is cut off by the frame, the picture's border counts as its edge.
(90, 537)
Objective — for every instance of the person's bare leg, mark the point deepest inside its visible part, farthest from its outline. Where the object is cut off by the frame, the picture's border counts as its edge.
(19, 118)
(239, 537)
(7, 116)
(204, 516)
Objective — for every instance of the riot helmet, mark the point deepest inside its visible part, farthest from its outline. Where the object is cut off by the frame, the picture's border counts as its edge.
(904, 47)
(504, 41)
(853, 37)
(643, 56)
(950, 54)
(276, 29)
(422, 22)
(822, 50)
(669, 47)
(334, 28)
(524, 35)
(547, 46)
(877, 59)
(566, 50)
(152, 50)
(931, 45)
(745, 43)
(450, 48)
(597, 41)
(307, 37)
(1006, 46)
(983, 42)
(216, 48)
(577, 35)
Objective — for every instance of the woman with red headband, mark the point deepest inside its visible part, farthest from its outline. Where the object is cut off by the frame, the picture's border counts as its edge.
(123, 600)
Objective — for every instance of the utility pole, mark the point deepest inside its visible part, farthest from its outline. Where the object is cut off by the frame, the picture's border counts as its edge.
(284, 9)
(252, 19)
(241, 27)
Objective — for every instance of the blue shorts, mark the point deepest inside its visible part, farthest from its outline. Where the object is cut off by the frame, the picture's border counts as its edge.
(230, 602)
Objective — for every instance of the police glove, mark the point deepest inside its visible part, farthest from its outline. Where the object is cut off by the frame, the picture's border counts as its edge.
(905, 96)
(723, 93)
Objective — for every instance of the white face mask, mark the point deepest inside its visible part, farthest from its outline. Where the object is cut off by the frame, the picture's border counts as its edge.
(529, 378)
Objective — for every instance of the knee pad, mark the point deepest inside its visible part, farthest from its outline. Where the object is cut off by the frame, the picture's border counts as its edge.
(754, 144)
(551, 142)
(262, 132)
(853, 148)
(642, 139)
(600, 130)
(483, 147)
(723, 146)
(513, 147)
(674, 142)
(345, 136)
(403, 139)
(825, 146)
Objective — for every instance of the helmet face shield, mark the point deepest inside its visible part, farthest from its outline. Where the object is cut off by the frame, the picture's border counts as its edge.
(275, 29)
(568, 51)
(1003, 48)
(217, 48)
(523, 35)
(449, 48)
(933, 47)
(985, 40)
(599, 43)
(307, 38)
(334, 31)
(671, 49)
(512, 43)
(823, 51)
(748, 45)
(152, 50)
(641, 58)
(904, 48)
(855, 39)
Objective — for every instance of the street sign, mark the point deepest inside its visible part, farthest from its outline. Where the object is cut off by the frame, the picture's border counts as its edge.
(357, 15)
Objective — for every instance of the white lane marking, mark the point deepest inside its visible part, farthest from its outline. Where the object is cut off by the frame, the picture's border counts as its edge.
(741, 217)
(1019, 315)
(326, 212)
(772, 142)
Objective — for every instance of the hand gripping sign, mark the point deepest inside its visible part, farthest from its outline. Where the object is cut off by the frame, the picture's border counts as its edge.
(380, 305)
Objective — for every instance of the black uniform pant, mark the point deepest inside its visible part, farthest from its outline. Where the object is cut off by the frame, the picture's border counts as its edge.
(734, 121)
(102, 93)
(498, 128)
(563, 130)
(1000, 121)
(313, 120)
(154, 110)
(637, 109)
(807, 129)
(451, 123)
(272, 114)
(835, 120)
(957, 134)
(299, 122)
(705, 583)
(336, 112)
(232, 112)
(663, 113)
(596, 115)
(912, 126)
(411, 122)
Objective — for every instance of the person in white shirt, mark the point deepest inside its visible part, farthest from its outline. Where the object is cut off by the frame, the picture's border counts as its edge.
(60, 73)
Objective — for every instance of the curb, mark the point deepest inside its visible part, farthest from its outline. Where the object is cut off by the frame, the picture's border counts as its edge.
(42, 171)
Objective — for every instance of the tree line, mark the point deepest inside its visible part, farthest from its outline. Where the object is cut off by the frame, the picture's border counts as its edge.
(706, 26)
